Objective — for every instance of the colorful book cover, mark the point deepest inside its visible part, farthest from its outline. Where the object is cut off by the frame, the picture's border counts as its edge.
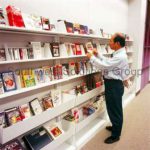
(9, 82)
(55, 72)
(59, 71)
(54, 129)
(76, 28)
(75, 113)
(37, 139)
(47, 102)
(39, 75)
(69, 27)
(84, 29)
(12, 116)
(47, 73)
(25, 111)
(72, 69)
(56, 97)
(55, 49)
(2, 54)
(28, 78)
(12, 145)
(14, 16)
(78, 49)
(35, 106)
(45, 23)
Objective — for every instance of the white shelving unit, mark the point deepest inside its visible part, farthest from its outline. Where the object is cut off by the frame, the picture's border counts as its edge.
(42, 85)
(69, 131)
(83, 131)
(38, 60)
(22, 127)
(83, 98)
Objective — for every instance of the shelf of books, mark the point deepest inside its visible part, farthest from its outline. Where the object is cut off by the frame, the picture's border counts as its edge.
(84, 97)
(50, 59)
(68, 131)
(29, 89)
(38, 60)
(12, 132)
(87, 120)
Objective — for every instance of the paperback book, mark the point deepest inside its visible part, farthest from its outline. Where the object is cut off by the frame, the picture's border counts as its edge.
(35, 106)
(39, 75)
(45, 23)
(9, 81)
(2, 54)
(47, 102)
(54, 129)
(56, 97)
(12, 116)
(28, 78)
(37, 139)
(55, 49)
(48, 74)
(25, 111)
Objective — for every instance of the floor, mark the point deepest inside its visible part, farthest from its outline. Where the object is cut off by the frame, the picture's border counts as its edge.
(136, 128)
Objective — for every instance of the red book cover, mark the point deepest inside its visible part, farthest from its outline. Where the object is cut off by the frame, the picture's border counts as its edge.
(78, 49)
(59, 71)
(55, 72)
(14, 16)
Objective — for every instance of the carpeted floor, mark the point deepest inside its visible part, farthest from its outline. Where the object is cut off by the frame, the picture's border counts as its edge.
(136, 128)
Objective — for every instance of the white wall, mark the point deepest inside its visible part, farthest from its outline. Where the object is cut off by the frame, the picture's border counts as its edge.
(137, 13)
(111, 15)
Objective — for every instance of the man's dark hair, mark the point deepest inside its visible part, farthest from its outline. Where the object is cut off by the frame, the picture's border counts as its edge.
(120, 39)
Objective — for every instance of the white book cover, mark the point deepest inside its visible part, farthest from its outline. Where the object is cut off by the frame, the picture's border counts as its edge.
(47, 51)
(16, 54)
(10, 50)
(54, 129)
(37, 50)
(7, 53)
(28, 21)
(56, 97)
(18, 80)
(61, 27)
(69, 47)
(37, 21)
(25, 53)
(63, 50)
(39, 75)
(82, 49)
(36, 107)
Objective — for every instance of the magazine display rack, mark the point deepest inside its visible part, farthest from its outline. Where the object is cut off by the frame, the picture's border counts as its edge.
(81, 131)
